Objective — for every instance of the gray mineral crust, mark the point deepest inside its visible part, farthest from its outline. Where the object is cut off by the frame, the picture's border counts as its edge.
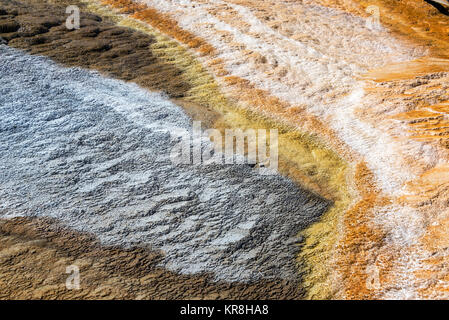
(94, 153)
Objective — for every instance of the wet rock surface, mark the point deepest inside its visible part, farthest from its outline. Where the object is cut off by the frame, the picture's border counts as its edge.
(94, 153)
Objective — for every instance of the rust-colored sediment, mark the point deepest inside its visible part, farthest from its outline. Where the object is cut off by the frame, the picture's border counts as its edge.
(414, 21)
(430, 194)
(162, 22)
(355, 253)
(415, 95)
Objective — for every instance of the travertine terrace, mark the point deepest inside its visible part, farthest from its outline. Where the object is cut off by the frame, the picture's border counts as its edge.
(358, 91)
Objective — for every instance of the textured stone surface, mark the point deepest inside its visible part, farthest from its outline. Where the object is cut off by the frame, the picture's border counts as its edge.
(94, 153)
(35, 253)
(321, 67)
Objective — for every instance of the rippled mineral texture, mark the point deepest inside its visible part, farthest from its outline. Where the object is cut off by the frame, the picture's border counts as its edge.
(356, 207)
